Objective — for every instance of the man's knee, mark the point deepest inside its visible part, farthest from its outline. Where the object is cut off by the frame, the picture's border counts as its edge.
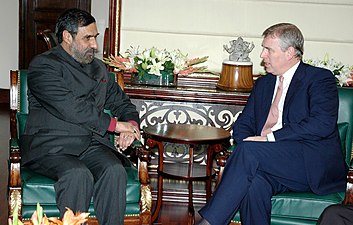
(116, 171)
(79, 176)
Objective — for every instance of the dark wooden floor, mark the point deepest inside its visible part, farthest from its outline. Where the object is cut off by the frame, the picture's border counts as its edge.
(172, 213)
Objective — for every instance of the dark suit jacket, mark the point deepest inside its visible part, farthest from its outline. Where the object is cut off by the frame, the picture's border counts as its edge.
(309, 120)
(66, 105)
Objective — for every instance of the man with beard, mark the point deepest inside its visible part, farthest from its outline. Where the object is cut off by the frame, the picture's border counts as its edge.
(287, 135)
(67, 133)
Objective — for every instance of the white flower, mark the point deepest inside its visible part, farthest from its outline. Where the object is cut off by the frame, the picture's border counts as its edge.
(343, 73)
(162, 56)
(155, 61)
(179, 60)
(132, 52)
(155, 68)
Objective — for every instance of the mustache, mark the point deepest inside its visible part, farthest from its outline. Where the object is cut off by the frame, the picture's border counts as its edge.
(262, 63)
(91, 51)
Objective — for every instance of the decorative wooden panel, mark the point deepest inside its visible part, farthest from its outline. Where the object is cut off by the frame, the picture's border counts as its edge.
(37, 15)
(153, 112)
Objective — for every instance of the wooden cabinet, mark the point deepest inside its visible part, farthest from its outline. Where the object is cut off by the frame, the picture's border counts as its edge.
(195, 100)
(37, 15)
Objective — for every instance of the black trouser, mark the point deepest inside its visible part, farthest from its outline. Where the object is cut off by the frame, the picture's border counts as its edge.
(96, 173)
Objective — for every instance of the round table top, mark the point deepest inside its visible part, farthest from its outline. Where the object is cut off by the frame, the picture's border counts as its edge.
(186, 133)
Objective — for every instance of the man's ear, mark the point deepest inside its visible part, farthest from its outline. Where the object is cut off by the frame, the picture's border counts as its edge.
(291, 53)
(67, 37)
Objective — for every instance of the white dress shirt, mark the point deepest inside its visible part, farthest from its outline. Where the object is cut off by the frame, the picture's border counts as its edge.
(287, 78)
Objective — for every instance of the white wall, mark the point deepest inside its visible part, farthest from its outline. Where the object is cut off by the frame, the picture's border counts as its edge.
(201, 27)
(8, 40)
(100, 11)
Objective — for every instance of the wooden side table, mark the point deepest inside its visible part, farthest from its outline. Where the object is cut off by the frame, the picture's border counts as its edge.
(190, 134)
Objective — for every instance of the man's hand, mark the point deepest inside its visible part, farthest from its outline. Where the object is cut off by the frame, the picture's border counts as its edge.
(255, 138)
(128, 133)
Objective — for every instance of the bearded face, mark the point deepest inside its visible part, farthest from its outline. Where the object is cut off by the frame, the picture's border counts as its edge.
(82, 54)
(82, 46)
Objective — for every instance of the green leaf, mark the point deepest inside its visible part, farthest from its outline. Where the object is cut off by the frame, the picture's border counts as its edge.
(153, 52)
(169, 65)
(15, 215)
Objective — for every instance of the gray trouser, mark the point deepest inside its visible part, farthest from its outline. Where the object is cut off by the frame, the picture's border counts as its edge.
(337, 215)
(96, 173)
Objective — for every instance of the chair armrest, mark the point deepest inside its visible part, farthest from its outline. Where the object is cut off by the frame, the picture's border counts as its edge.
(14, 185)
(146, 195)
(14, 163)
(221, 160)
(348, 199)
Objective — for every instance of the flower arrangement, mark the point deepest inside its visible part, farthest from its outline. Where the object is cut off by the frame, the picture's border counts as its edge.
(156, 62)
(38, 218)
(343, 73)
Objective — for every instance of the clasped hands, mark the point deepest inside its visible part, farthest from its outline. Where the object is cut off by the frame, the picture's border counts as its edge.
(127, 134)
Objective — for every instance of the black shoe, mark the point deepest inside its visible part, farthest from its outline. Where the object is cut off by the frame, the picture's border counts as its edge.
(203, 222)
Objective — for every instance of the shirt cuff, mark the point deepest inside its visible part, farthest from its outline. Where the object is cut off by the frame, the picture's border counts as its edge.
(133, 122)
(112, 125)
(271, 137)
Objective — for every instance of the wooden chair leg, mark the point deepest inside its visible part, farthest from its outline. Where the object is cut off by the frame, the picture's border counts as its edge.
(348, 199)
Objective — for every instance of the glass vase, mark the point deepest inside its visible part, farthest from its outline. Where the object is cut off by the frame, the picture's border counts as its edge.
(165, 79)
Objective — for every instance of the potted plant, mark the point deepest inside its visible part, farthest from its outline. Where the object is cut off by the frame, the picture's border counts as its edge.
(155, 66)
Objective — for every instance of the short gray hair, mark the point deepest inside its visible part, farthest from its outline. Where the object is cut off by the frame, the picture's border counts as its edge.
(289, 35)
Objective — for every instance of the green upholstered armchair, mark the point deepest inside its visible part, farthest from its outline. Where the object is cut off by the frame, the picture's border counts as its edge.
(305, 208)
(26, 188)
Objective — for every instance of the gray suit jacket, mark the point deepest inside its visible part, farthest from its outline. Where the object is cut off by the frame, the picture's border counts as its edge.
(66, 105)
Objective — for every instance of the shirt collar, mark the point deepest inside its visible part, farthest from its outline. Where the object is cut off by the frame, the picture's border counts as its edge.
(288, 75)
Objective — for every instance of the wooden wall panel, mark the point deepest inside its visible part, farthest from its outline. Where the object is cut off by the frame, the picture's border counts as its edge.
(36, 15)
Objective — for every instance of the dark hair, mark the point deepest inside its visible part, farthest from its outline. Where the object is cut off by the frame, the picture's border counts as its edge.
(71, 20)
(290, 36)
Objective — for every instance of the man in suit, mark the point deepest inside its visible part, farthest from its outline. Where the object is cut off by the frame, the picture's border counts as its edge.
(67, 132)
(287, 137)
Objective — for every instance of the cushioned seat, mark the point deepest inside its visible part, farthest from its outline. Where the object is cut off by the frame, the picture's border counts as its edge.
(33, 188)
(305, 208)
(299, 208)
(37, 188)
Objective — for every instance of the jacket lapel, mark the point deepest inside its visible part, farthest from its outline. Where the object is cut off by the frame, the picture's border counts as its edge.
(269, 88)
(294, 86)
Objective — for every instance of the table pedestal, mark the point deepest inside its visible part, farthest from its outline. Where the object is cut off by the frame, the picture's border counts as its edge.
(191, 135)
